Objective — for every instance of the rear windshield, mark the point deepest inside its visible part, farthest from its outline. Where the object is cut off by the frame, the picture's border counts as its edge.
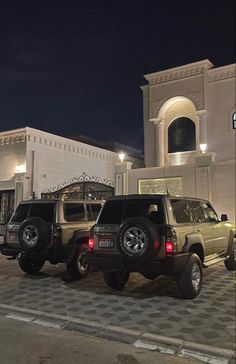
(114, 212)
(43, 210)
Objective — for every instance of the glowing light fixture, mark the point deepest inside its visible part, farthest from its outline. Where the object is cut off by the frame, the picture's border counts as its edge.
(121, 156)
(203, 148)
(20, 168)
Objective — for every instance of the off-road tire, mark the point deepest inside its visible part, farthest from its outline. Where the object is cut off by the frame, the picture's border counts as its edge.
(116, 279)
(30, 266)
(79, 267)
(230, 262)
(138, 239)
(34, 234)
(191, 279)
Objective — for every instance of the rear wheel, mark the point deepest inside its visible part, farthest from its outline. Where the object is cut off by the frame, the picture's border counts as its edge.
(116, 279)
(230, 262)
(190, 281)
(79, 267)
(30, 266)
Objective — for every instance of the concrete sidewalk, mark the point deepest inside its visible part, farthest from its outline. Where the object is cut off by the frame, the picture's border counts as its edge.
(153, 308)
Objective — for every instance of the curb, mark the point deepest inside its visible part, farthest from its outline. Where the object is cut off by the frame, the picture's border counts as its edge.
(140, 339)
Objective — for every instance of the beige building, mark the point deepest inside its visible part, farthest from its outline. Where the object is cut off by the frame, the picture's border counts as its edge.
(189, 139)
(34, 162)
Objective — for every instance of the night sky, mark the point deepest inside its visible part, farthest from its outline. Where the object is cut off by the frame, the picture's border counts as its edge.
(77, 68)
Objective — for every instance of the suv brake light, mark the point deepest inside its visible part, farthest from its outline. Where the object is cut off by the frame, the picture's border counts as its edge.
(91, 243)
(57, 234)
(170, 241)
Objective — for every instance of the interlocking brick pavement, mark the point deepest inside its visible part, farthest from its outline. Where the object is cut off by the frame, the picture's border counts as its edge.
(146, 306)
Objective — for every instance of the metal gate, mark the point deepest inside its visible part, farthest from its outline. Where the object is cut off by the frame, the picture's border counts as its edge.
(6, 205)
(80, 188)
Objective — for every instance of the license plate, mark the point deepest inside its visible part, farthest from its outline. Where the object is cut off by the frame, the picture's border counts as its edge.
(105, 243)
(1, 239)
(13, 237)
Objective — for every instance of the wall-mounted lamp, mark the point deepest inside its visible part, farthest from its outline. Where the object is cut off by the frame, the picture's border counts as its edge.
(203, 148)
(121, 156)
(20, 168)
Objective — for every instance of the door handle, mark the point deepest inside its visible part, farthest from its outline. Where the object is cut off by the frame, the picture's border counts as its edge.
(198, 230)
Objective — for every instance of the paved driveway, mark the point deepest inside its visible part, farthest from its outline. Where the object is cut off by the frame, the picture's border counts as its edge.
(146, 306)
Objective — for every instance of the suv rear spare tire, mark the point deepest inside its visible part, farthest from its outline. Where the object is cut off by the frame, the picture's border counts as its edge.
(30, 266)
(190, 281)
(137, 239)
(34, 234)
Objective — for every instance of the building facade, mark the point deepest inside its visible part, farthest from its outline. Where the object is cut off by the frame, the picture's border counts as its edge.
(189, 136)
(33, 162)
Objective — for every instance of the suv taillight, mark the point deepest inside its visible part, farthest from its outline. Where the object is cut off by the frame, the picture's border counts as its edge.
(57, 234)
(170, 241)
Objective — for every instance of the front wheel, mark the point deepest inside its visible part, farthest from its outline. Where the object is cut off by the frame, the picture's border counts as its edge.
(230, 262)
(79, 266)
(116, 279)
(30, 266)
(190, 281)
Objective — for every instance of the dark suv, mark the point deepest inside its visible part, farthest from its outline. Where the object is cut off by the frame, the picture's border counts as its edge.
(160, 234)
(53, 230)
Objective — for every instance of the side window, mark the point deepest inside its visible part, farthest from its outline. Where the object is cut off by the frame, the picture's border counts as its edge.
(93, 211)
(74, 212)
(43, 210)
(197, 211)
(210, 214)
(181, 211)
(21, 213)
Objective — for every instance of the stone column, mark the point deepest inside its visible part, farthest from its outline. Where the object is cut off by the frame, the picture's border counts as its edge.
(203, 175)
(121, 177)
(159, 125)
(202, 116)
(19, 187)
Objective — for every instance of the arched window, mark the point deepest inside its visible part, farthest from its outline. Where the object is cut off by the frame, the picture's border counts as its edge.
(181, 135)
(234, 120)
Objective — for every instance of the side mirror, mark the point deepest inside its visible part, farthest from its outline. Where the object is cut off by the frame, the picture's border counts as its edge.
(224, 217)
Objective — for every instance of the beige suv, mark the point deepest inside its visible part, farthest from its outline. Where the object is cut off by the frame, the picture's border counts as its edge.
(160, 234)
(57, 231)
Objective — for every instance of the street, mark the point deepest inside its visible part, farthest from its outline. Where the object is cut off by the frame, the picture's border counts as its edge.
(146, 311)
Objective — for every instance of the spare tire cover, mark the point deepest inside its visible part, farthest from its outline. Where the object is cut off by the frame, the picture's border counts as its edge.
(138, 239)
(34, 234)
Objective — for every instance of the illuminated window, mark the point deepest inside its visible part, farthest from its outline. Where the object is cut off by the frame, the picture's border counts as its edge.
(234, 120)
(181, 135)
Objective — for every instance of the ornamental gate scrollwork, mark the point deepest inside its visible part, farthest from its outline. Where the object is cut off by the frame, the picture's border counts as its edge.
(83, 187)
(6, 205)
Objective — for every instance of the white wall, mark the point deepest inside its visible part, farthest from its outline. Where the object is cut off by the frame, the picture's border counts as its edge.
(58, 159)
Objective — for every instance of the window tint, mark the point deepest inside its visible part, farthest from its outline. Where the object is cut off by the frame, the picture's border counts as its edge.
(43, 210)
(93, 211)
(210, 215)
(197, 211)
(111, 212)
(21, 213)
(74, 212)
(181, 211)
(151, 209)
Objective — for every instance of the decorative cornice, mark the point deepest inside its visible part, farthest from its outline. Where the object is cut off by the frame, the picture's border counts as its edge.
(177, 73)
(222, 73)
(10, 138)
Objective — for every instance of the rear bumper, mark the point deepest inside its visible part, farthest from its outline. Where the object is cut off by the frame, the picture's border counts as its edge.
(56, 254)
(169, 265)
